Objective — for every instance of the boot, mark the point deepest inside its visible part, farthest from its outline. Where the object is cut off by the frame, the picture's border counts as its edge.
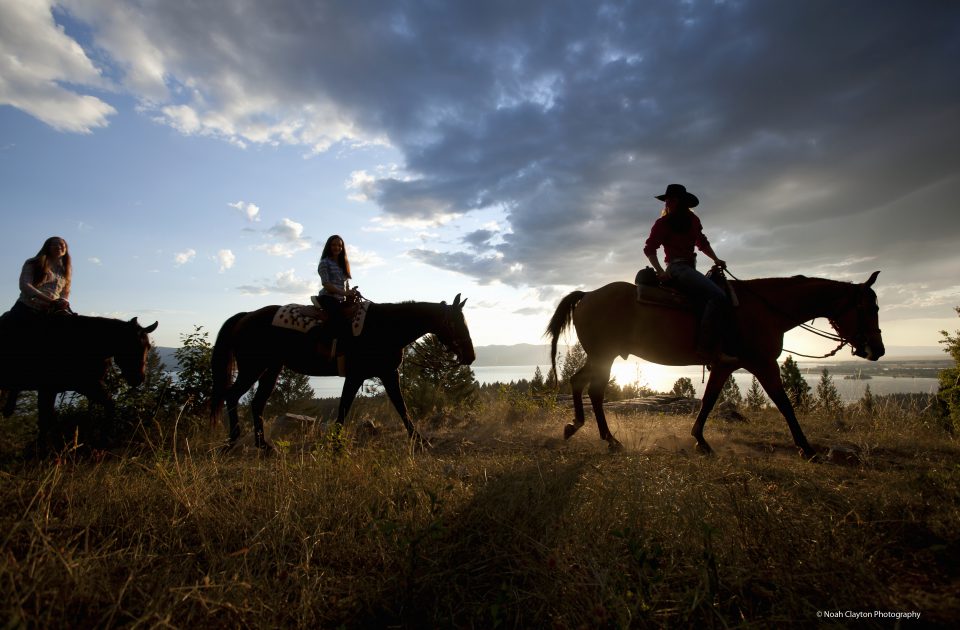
(713, 328)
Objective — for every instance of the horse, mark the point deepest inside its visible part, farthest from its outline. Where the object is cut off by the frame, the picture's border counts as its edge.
(69, 353)
(609, 321)
(258, 351)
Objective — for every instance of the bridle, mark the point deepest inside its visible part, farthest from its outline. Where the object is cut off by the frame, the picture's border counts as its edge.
(458, 341)
(858, 341)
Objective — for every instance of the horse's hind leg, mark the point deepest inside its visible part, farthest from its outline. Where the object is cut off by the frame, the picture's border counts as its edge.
(265, 387)
(578, 382)
(598, 387)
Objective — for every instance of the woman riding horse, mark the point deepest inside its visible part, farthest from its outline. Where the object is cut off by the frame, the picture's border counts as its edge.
(678, 231)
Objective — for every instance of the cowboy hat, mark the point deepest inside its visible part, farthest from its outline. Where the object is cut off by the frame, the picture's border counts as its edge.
(680, 192)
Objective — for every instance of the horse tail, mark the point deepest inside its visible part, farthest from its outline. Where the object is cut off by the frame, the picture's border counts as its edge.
(561, 320)
(222, 362)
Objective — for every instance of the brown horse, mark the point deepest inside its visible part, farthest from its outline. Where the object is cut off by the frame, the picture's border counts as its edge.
(609, 322)
(68, 353)
(259, 351)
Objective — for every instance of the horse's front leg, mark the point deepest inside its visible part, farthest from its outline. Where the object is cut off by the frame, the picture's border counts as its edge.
(265, 387)
(769, 377)
(97, 394)
(718, 376)
(391, 383)
(10, 404)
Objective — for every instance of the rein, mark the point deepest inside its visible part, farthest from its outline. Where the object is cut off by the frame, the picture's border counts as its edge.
(804, 326)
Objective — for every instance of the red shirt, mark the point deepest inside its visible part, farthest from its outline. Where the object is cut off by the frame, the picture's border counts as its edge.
(676, 245)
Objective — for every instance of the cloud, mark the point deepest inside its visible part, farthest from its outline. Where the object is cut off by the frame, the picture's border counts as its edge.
(809, 140)
(94, 260)
(41, 68)
(226, 259)
(287, 239)
(182, 258)
(249, 210)
(284, 282)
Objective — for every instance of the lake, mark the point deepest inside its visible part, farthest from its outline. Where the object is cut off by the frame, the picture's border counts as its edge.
(662, 377)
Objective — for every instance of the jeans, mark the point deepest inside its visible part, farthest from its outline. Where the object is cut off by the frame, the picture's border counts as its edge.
(693, 283)
(715, 322)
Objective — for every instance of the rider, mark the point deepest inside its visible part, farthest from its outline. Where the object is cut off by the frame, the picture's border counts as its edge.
(679, 230)
(45, 282)
(334, 270)
(44, 290)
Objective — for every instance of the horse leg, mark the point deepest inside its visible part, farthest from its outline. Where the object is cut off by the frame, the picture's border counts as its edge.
(391, 383)
(718, 376)
(10, 404)
(578, 382)
(351, 385)
(265, 386)
(769, 377)
(231, 398)
(600, 376)
(98, 394)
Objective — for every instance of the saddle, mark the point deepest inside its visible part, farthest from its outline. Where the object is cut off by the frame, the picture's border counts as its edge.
(651, 291)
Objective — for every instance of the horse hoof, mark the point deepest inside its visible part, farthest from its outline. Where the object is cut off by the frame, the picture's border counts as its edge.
(419, 442)
(703, 448)
(614, 445)
(569, 430)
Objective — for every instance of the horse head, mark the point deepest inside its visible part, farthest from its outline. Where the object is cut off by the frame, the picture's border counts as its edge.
(858, 323)
(131, 357)
(454, 333)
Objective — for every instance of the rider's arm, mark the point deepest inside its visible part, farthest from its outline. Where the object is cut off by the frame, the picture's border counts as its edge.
(27, 288)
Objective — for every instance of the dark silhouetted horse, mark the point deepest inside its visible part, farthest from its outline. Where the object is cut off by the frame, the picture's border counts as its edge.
(610, 322)
(69, 353)
(258, 350)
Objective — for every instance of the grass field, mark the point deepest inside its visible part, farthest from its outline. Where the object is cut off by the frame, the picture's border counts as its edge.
(500, 524)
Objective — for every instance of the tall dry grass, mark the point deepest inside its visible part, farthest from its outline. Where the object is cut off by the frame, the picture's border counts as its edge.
(501, 524)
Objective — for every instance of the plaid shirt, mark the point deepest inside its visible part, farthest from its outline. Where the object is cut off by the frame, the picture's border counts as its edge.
(331, 273)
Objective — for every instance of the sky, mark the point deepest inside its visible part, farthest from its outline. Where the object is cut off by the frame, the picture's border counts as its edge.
(196, 156)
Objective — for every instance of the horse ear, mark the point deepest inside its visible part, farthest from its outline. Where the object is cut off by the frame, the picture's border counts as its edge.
(134, 322)
(873, 278)
(152, 327)
(456, 300)
(462, 303)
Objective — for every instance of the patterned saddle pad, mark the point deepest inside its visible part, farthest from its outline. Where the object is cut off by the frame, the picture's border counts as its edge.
(303, 318)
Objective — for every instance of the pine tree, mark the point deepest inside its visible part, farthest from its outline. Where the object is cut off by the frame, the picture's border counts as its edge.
(292, 388)
(575, 359)
(730, 393)
(793, 382)
(756, 400)
(432, 378)
(537, 385)
(866, 401)
(828, 398)
(683, 387)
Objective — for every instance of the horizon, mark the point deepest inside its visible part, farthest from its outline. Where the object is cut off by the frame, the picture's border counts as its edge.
(506, 152)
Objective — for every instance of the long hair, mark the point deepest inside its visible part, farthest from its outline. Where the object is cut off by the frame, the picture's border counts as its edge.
(42, 263)
(342, 258)
(679, 218)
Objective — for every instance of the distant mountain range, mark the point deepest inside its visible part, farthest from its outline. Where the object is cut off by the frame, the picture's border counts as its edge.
(534, 354)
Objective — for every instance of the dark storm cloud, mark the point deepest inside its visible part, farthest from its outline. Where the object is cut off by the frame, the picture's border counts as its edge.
(817, 134)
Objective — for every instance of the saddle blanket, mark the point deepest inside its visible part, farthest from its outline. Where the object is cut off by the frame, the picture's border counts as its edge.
(298, 317)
